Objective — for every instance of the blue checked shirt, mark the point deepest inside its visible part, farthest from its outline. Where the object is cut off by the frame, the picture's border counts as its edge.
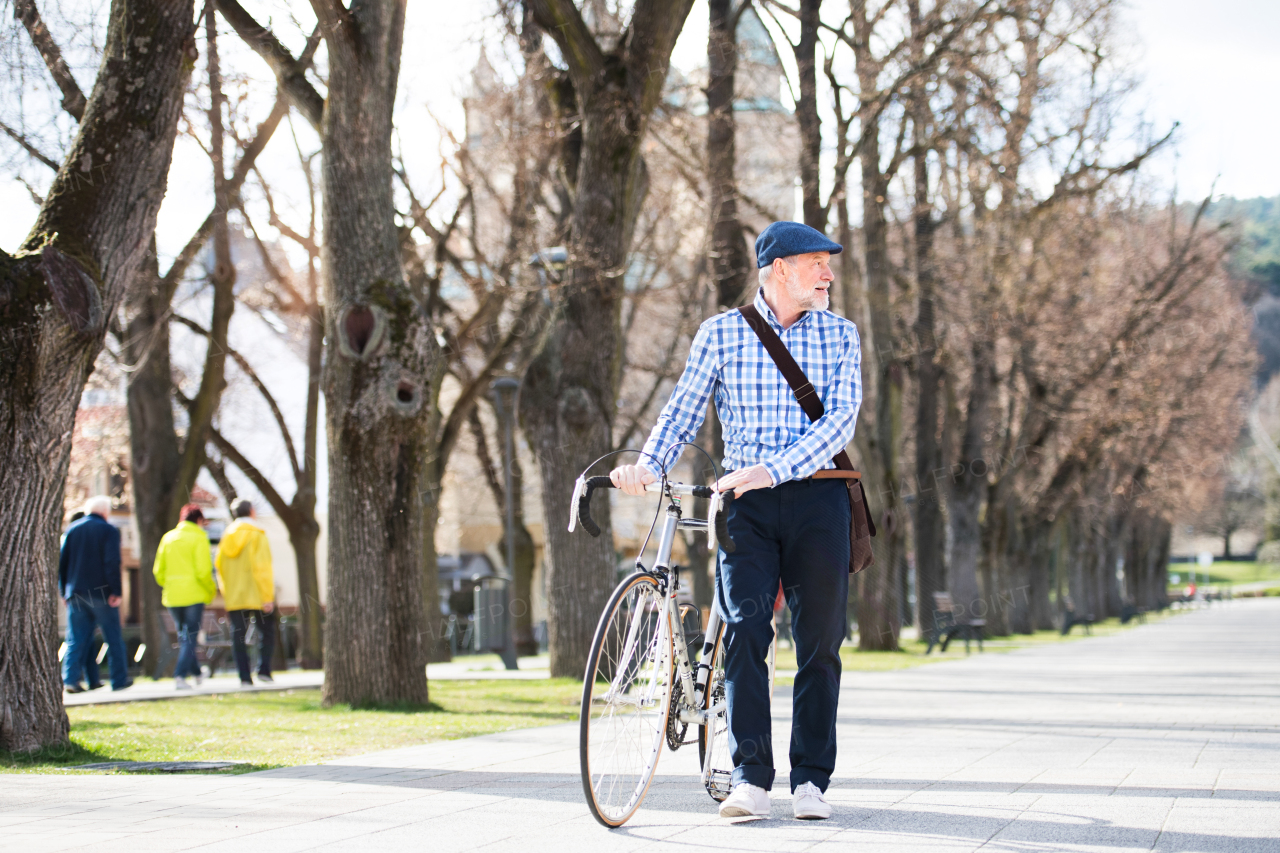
(762, 422)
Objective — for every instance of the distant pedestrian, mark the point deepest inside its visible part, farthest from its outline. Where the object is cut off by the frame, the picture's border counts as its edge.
(184, 568)
(89, 582)
(92, 675)
(248, 588)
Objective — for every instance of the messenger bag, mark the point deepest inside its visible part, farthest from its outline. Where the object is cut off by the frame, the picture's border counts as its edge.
(861, 527)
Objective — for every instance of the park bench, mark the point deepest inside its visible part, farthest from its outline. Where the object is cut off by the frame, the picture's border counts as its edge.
(1131, 612)
(946, 628)
(1070, 619)
(212, 647)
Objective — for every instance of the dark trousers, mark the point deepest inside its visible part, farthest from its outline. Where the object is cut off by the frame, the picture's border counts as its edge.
(796, 533)
(83, 613)
(187, 620)
(267, 636)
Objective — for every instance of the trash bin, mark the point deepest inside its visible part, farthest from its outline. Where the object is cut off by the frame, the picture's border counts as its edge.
(491, 614)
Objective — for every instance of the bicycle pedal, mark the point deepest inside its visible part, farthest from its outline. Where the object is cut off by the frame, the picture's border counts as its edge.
(720, 784)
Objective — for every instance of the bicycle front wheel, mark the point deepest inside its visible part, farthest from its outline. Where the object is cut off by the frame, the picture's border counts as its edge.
(625, 700)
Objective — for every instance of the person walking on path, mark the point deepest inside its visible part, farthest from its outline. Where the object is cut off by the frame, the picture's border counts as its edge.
(91, 673)
(184, 569)
(248, 588)
(789, 526)
(89, 582)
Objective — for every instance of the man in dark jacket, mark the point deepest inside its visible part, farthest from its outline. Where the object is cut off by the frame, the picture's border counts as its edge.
(89, 582)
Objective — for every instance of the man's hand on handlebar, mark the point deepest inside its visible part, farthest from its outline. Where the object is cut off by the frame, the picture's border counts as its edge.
(631, 478)
(745, 479)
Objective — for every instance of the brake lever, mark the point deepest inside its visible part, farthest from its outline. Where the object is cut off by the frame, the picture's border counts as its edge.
(579, 487)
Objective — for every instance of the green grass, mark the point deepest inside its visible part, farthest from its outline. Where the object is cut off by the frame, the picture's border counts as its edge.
(1220, 573)
(913, 652)
(290, 727)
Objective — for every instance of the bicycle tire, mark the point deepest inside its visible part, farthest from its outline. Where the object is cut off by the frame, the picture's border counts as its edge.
(714, 735)
(625, 700)
(719, 782)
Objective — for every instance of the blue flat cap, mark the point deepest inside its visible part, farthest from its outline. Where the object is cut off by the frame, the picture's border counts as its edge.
(784, 239)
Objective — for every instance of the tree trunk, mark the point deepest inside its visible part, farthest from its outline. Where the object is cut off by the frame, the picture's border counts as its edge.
(806, 49)
(204, 406)
(730, 258)
(303, 536)
(969, 482)
(569, 397)
(153, 441)
(879, 598)
(929, 533)
(379, 348)
(437, 648)
(311, 645)
(56, 297)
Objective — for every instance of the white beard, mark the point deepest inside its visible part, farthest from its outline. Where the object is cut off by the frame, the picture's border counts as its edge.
(808, 300)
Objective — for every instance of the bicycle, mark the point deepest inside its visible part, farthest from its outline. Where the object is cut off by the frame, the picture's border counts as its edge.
(641, 688)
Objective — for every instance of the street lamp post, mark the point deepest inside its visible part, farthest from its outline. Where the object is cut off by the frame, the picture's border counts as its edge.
(506, 412)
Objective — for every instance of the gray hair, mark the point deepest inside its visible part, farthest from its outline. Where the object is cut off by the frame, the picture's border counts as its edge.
(98, 505)
(241, 508)
(766, 272)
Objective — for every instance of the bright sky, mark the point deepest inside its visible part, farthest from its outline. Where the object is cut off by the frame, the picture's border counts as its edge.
(1212, 67)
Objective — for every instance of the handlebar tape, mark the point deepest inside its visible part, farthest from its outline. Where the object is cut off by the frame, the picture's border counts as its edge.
(722, 523)
(584, 503)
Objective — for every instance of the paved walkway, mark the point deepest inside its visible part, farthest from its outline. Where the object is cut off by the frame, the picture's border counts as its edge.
(1165, 738)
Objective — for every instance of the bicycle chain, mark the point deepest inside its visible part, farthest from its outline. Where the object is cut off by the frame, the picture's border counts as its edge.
(676, 730)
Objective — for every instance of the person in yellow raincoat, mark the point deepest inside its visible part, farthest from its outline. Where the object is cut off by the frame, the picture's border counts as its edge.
(182, 568)
(248, 588)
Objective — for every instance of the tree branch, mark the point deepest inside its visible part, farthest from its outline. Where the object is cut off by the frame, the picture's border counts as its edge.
(178, 268)
(561, 20)
(30, 149)
(73, 100)
(262, 389)
(486, 459)
(291, 74)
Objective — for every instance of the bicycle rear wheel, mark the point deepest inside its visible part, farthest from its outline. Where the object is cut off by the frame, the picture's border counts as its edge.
(717, 775)
(713, 737)
(625, 700)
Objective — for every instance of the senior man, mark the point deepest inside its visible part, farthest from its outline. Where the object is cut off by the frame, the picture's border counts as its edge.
(89, 582)
(789, 526)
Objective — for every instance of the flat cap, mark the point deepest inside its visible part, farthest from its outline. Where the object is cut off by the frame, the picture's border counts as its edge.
(784, 239)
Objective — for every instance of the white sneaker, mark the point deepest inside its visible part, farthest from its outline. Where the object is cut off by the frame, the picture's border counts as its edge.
(746, 800)
(810, 804)
(181, 684)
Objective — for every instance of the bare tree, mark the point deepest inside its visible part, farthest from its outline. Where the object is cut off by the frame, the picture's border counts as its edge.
(570, 391)
(56, 297)
(379, 351)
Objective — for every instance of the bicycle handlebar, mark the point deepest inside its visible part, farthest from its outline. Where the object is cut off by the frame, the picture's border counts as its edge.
(717, 521)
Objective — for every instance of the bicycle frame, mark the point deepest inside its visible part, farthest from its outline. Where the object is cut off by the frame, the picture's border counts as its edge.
(693, 684)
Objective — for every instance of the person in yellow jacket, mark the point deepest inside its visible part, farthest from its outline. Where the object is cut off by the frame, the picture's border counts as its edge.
(184, 569)
(248, 588)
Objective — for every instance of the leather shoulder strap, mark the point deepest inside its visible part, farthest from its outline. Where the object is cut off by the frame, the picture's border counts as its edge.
(804, 393)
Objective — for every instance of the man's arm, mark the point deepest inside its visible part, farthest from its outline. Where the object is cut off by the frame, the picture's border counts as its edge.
(262, 574)
(679, 420)
(204, 569)
(111, 563)
(828, 435)
(687, 408)
(64, 560)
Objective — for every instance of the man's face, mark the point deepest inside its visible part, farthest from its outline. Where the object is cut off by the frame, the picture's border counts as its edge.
(808, 282)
